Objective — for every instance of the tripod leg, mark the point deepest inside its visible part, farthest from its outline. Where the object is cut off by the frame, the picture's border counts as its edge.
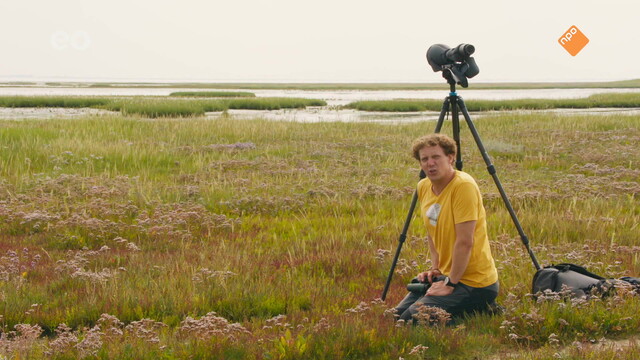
(455, 121)
(403, 237)
(443, 113)
(492, 171)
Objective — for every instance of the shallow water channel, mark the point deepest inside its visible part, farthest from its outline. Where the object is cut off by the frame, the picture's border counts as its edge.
(321, 114)
(330, 113)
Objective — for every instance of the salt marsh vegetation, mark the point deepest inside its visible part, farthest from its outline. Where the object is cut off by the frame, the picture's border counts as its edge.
(127, 238)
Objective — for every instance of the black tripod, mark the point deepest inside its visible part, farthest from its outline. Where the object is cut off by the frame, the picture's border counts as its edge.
(456, 104)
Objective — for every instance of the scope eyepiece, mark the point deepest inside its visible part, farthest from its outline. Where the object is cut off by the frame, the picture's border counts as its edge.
(460, 52)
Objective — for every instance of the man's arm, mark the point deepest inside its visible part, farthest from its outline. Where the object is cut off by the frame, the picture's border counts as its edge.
(461, 254)
(462, 249)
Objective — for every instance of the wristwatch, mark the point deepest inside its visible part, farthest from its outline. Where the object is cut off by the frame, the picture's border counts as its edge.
(447, 282)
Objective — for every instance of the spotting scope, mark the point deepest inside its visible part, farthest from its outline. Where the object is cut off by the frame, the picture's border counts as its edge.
(455, 63)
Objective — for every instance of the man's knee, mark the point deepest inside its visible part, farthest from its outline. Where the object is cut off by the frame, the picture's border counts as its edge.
(406, 315)
(406, 303)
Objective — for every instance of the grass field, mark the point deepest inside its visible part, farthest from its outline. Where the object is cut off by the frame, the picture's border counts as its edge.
(622, 100)
(126, 238)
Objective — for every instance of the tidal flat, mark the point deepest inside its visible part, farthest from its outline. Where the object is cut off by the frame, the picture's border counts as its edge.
(124, 237)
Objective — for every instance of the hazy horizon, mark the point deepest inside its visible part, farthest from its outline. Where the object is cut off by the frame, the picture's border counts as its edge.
(28, 79)
(292, 41)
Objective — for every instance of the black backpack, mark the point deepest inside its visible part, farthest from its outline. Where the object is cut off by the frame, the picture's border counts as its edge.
(570, 276)
(634, 281)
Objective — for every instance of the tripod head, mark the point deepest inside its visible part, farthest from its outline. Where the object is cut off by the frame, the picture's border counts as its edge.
(455, 74)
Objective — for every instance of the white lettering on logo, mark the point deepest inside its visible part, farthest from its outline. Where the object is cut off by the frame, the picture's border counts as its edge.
(567, 37)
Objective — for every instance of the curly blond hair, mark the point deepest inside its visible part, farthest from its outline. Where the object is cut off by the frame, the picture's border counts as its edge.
(445, 142)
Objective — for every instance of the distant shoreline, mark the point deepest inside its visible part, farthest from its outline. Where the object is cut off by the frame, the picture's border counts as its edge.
(634, 83)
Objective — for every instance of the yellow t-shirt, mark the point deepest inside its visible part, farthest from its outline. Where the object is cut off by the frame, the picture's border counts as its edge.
(460, 201)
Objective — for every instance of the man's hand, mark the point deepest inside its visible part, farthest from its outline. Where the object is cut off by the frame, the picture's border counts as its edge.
(428, 276)
(439, 289)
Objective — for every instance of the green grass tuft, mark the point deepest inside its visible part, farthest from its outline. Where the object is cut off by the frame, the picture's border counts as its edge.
(155, 107)
(213, 94)
(624, 100)
(52, 101)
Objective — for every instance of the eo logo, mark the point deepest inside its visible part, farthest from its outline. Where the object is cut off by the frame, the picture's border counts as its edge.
(79, 40)
(573, 40)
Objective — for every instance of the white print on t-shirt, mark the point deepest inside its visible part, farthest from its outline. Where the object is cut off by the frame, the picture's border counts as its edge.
(433, 213)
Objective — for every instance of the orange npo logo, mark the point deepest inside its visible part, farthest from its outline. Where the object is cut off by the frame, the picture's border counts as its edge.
(573, 40)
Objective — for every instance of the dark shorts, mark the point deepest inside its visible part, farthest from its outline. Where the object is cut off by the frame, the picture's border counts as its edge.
(464, 299)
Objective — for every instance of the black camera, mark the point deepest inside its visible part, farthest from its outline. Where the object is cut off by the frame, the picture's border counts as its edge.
(455, 63)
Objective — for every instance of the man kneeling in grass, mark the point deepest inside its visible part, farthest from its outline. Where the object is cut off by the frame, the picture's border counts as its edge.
(463, 276)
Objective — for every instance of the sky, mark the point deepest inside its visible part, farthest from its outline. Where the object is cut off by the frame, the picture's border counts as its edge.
(312, 41)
